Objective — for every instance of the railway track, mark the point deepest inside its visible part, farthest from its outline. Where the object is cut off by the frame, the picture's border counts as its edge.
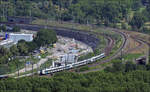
(108, 48)
(38, 27)
(117, 53)
(141, 45)
(110, 45)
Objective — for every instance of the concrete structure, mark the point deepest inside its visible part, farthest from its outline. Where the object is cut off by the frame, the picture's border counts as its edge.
(18, 19)
(68, 58)
(16, 37)
(84, 37)
(5, 42)
(65, 59)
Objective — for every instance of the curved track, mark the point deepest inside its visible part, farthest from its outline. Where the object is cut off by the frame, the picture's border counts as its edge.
(118, 52)
(87, 35)
(111, 44)
(140, 45)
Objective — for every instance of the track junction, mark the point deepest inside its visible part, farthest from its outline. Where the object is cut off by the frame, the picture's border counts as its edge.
(91, 41)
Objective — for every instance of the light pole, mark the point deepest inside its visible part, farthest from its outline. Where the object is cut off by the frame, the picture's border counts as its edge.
(25, 66)
(14, 7)
(18, 69)
(32, 69)
(30, 19)
(121, 54)
(37, 68)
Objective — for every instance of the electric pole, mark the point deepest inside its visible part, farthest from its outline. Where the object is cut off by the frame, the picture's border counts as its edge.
(30, 16)
(32, 67)
(18, 69)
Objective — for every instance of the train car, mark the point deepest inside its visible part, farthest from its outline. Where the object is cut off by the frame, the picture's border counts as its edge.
(3, 76)
(75, 64)
(70, 66)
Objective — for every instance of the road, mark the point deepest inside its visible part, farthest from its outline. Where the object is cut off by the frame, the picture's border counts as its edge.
(35, 66)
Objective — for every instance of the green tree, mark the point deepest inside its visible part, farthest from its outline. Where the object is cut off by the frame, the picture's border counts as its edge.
(22, 47)
(16, 29)
(130, 66)
(136, 4)
(138, 21)
(3, 28)
(14, 50)
(113, 15)
(148, 66)
(4, 55)
(118, 66)
(45, 37)
(31, 46)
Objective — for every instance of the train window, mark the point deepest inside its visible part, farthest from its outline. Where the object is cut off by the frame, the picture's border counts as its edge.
(21, 22)
(11, 20)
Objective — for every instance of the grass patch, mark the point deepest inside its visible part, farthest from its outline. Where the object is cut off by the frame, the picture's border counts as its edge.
(61, 24)
(12, 66)
(84, 68)
(131, 57)
(47, 64)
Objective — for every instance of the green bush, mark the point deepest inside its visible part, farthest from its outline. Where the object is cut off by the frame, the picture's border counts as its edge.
(85, 68)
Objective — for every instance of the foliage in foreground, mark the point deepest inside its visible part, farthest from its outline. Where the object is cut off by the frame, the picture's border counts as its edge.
(133, 80)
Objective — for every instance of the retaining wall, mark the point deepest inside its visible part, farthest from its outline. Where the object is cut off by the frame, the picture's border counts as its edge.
(85, 37)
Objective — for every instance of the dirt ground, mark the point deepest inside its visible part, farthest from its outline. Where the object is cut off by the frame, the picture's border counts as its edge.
(136, 46)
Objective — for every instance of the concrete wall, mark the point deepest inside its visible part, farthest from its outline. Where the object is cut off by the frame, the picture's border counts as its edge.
(84, 37)
(19, 19)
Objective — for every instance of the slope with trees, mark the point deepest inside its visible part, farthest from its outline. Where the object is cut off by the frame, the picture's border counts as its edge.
(108, 13)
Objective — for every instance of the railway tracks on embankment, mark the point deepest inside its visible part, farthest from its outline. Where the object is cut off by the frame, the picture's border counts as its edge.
(121, 50)
(117, 53)
(107, 49)
(109, 46)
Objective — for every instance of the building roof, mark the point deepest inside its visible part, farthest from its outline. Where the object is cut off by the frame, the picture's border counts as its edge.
(19, 34)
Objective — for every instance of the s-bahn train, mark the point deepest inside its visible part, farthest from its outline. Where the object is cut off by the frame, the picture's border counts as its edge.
(73, 65)
(3, 76)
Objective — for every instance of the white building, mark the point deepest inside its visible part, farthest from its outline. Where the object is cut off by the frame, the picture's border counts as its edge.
(16, 37)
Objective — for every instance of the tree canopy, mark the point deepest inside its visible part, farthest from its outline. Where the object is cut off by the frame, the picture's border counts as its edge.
(22, 48)
(45, 37)
(135, 81)
(109, 13)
